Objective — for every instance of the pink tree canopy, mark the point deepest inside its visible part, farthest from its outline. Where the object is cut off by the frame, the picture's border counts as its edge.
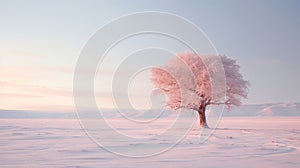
(187, 83)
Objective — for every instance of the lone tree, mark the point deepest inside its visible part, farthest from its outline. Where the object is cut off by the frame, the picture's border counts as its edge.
(186, 80)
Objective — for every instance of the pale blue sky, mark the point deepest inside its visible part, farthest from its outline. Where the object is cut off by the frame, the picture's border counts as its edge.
(40, 42)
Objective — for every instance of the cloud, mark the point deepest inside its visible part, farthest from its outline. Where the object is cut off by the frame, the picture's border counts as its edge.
(31, 87)
(33, 90)
(18, 54)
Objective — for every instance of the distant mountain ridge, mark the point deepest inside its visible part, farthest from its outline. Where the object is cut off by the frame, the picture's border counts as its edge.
(34, 114)
(270, 109)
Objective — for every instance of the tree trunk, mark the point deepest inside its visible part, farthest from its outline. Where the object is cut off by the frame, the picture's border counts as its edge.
(202, 117)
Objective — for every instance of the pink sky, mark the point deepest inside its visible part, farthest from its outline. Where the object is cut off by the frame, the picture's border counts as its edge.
(39, 48)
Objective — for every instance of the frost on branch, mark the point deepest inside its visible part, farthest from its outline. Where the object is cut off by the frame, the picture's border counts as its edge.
(187, 81)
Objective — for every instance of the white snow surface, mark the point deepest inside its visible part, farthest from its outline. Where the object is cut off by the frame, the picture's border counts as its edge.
(237, 142)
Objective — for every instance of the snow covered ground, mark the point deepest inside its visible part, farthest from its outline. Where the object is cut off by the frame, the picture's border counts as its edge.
(237, 142)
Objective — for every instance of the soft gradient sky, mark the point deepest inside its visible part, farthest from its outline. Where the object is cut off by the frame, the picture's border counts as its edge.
(40, 42)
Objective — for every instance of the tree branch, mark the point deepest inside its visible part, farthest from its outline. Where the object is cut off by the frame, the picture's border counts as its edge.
(219, 103)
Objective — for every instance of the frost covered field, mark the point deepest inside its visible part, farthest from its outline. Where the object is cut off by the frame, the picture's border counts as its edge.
(237, 142)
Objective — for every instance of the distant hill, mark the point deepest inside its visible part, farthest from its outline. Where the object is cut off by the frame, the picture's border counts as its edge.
(271, 109)
(34, 114)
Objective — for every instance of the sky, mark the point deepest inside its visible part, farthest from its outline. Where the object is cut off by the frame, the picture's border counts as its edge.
(40, 42)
